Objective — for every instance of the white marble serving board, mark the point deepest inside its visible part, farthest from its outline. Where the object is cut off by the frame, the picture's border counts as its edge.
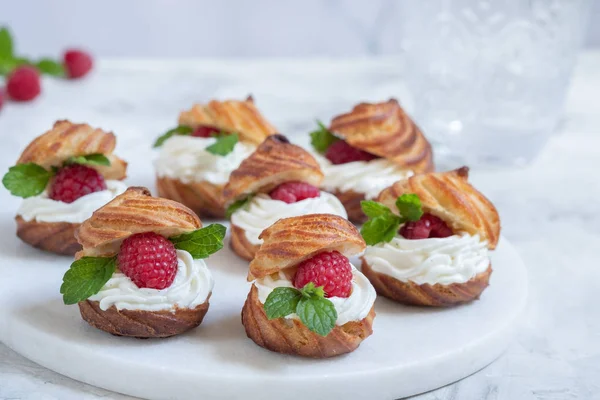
(411, 351)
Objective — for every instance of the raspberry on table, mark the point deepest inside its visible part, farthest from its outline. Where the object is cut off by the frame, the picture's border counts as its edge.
(1, 98)
(77, 63)
(23, 84)
(341, 152)
(149, 260)
(292, 192)
(429, 226)
(205, 131)
(75, 181)
(332, 270)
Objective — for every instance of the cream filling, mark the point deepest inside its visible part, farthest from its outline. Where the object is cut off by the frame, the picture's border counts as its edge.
(263, 211)
(453, 259)
(192, 284)
(185, 158)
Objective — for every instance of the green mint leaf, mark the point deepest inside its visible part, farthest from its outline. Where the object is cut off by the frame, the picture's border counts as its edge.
(238, 205)
(26, 180)
(409, 206)
(282, 301)
(50, 67)
(90, 159)
(8, 64)
(180, 130)
(202, 242)
(317, 313)
(380, 229)
(309, 290)
(6, 44)
(86, 277)
(224, 144)
(373, 209)
(321, 139)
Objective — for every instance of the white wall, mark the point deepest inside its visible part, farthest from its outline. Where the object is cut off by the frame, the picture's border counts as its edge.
(213, 28)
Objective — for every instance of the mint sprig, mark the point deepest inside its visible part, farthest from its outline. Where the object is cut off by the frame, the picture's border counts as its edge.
(90, 159)
(316, 312)
(26, 180)
(201, 243)
(181, 130)
(6, 44)
(383, 223)
(9, 60)
(86, 277)
(50, 67)
(224, 144)
(322, 138)
(239, 204)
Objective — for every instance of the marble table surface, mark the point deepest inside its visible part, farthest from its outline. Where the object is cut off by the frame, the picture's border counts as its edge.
(549, 209)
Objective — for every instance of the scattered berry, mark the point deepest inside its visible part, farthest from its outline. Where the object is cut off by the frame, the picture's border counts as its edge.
(23, 84)
(149, 260)
(77, 63)
(292, 192)
(341, 152)
(429, 226)
(75, 181)
(332, 270)
(205, 131)
(1, 98)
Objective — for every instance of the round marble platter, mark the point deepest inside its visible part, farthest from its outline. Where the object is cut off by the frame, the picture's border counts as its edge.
(412, 350)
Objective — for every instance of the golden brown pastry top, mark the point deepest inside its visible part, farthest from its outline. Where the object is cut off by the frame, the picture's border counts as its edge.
(384, 129)
(275, 161)
(237, 116)
(67, 139)
(449, 196)
(290, 241)
(134, 211)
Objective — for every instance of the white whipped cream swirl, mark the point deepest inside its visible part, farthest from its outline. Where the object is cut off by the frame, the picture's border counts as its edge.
(41, 208)
(185, 158)
(192, 284)
(453, 259)
(263, 211)
(353, 308)
(368, 177)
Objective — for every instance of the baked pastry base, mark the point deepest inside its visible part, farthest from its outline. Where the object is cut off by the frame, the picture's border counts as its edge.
(240, 244)
(55, 237)
(436, 295)
(351, 201)
(204, 198)
(290, 336)
(142, 324)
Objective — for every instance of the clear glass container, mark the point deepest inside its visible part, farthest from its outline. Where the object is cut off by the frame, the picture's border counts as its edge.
(488, 78)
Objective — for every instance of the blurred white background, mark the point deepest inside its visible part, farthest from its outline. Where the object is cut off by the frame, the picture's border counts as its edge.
(209, 28)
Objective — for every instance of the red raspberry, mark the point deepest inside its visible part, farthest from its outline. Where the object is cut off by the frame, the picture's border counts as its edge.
(341, 152)
(77, 63)
(23, 84)
(292, 192)
(331, 270)
(205, 131)
(149, 260)
(429, 226)
(1, 98)
(75, 181)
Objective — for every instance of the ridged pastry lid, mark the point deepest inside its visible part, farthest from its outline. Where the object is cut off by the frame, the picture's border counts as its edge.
(275, 161)
(67, 139)
(384, 129)
(134, 211)
(449, 196)
(237, 116)
(290, 241)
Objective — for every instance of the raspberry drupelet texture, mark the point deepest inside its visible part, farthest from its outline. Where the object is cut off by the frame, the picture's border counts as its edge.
(75, 181)
(23, 84)
(332, 270)
(149, 260)
(205, 131)
(77, 63)
(341, 152)
(292, 192)
(429, 226)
